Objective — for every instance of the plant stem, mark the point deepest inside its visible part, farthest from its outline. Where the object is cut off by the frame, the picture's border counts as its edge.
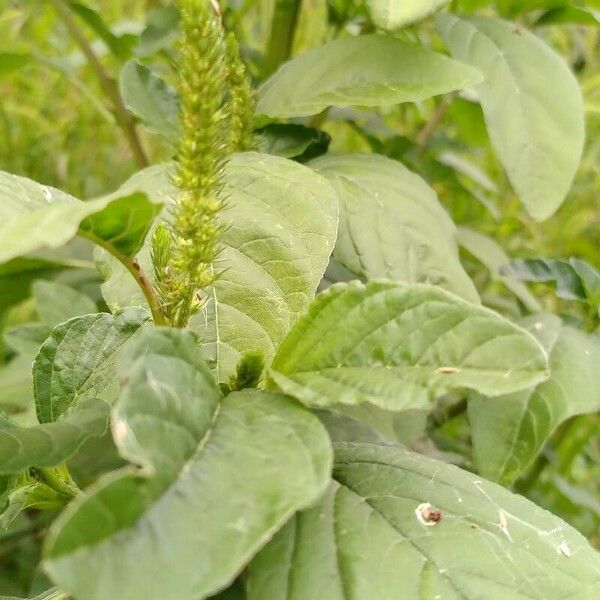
(281, 39)
(108, 85)
(436, 118)
(139, 275)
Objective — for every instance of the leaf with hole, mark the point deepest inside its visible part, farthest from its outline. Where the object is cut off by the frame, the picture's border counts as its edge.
(396, 525)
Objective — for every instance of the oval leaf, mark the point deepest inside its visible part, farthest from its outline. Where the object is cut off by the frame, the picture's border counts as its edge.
(34, 216)
(392, 225)
(399, 346)
(394, 14)
(396, 525)
(262, 452)
(281, 224)
(78, 360)
(538, 136)
(151, 99)
(371, 70)
(509, 432)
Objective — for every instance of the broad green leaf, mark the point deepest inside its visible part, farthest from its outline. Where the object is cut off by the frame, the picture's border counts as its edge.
(392, 225)
(151, 99)
(491, 255)
(219, 477)
(371, 70)
(281, 220)
(399, 346)
(34, 216)
(538, 136)
(394, 14)
(509, 432)
(50, 444)
(57, 303)
(78, 360)
(575, 279)
(372, 538)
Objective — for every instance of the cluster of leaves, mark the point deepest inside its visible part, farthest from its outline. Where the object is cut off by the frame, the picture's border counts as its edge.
(296, 438)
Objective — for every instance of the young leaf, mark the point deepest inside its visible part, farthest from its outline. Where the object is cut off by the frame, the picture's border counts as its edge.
(538, 136)
(509, 432)
(78, 360)
(151, 99)
(50, 444)
(219, 477)
(56, 303)
(371, 70)
(492, 256)
(399, 346)
(394, 14)
(35, 216)
(392, 225)
(398, 525)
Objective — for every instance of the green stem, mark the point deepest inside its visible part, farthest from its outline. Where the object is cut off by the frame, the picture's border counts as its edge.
(281, 39)
(108, 85)
(436, 118)
(140, 277)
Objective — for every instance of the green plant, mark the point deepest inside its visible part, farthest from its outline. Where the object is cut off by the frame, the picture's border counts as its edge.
(287, 353)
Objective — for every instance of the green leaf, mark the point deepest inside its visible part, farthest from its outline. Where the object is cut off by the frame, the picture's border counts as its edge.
(365, 539)
(394, 14)
(34, 216)
(57, 303)
(371, 70)
(392, 225)
(491, 255)
(120, 46)
(123, 225)
(281, 224)
(538, 136)
(26, 338)
(50, 444)
(25, 492)
(15, 383)
(399, 346)
(219, 477)
(291, 140)
(151, 99)
(78, 360)
(575, 279)
(509, 432)
(161, 30)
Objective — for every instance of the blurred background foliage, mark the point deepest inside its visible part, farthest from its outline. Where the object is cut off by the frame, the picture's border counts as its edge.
(59, 126)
